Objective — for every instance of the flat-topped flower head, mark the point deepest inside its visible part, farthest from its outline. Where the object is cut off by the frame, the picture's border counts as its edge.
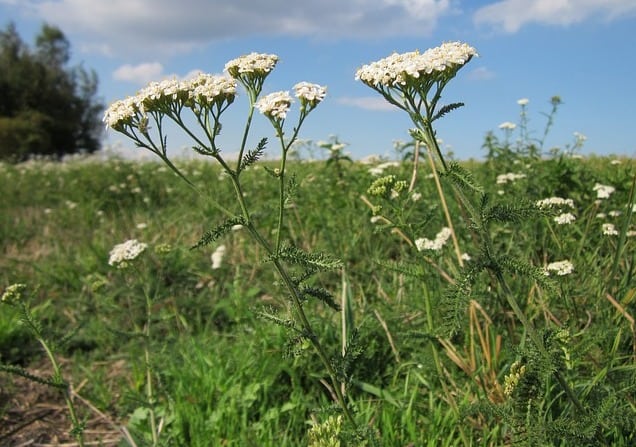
(275, 105)
(121, 113)
(415, 67)
(310, 94)
(251, 65)
(206, 89)
(127, 251)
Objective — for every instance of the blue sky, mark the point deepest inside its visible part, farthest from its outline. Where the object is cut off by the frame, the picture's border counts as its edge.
(581, 50)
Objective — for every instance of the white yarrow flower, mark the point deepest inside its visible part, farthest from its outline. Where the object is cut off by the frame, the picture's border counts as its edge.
(440, 240)
(217, 257)
(523, 101)
(309, 93)
(127, 251)
(560, 268)
(275, 105)
(609, 229)
(565, 218)
(509, 177)
(603, 191)
(507, 125)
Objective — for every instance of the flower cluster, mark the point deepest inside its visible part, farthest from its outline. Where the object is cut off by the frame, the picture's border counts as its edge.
(124, 252)
(609, 229)
(565, 218)
(253, 64)
(275, 105)
(507, 125)
(13, 293)
(310, 94)
(555, 201)
(603, 191)
(200, 92)
(517, 370)
(509, 177)
(561, 268)
(401, 69)
(436, 244)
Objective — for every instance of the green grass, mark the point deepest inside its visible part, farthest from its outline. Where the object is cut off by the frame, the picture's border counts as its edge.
(226, 377)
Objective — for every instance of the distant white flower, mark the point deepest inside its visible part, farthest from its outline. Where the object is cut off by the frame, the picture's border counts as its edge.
(555, 201)
(615, 162)
(237, 227)
(379, 169)
(609, 229)
(603, 191)
(416, 196)
(127, 251)
(509, 177)
(440, 240)
(614, 213)
(217, 257)
(375, 219)
(507, 125)
(275, 105)
(523, 101)
(601, 216)
(565, 218)
(561, 268)
(466, 257)
(141, 226)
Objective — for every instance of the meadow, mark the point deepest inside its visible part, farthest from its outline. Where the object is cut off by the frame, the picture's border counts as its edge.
(224, 376)
(275, 299)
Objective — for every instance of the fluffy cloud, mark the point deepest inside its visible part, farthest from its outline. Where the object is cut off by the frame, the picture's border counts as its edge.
(511, 15)
(175, 26)
(367, 103)
(139, 74)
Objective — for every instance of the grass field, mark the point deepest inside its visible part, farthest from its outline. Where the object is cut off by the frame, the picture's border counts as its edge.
(434, 359)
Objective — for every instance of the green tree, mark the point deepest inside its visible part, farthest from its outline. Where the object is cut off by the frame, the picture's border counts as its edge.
(46, 107)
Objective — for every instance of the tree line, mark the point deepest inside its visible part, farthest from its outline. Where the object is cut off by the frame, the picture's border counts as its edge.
(46, 106)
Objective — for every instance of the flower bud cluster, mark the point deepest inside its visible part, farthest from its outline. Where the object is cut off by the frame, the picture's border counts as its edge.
(13, 293)
(414, 67)
(436, 244)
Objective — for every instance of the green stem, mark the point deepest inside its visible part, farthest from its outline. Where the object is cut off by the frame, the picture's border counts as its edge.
(57, 375)
(149, 387)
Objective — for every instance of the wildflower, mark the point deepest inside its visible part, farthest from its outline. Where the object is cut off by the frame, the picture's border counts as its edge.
(13, 293)
(565, 218)
(523, 101)
(415, 67)
(379, 169)
(509, 177)
(603, 191)
(275, 105)
(387, 186)
(555, 201)
(614, 213)
(310, 94)
(253, 64)
(416, 196)
(517, 370)
(127, 251)
(440, 240)
(507, 125)
(615, 162)
(601, 216)
(217, 257)
(561, 268)
(141, 226)
(609, 229)
(466, 257)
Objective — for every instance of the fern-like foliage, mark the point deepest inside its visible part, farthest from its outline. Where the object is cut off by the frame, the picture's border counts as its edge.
(290, 193)
(252, 156)
(311, 261)
(344, 365)
(523, 268)
(219, 231)
(321, 294)
(509, 212)
(462, 178)
(55, 382)
(447, 109)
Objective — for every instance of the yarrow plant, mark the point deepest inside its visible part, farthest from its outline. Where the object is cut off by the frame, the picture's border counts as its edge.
(206, 97)
(413, 82)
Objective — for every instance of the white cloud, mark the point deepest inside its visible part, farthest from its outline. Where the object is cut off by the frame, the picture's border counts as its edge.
(480, 74)
(151, 25)
(374, 103)
(511, 15)
(139, 74)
